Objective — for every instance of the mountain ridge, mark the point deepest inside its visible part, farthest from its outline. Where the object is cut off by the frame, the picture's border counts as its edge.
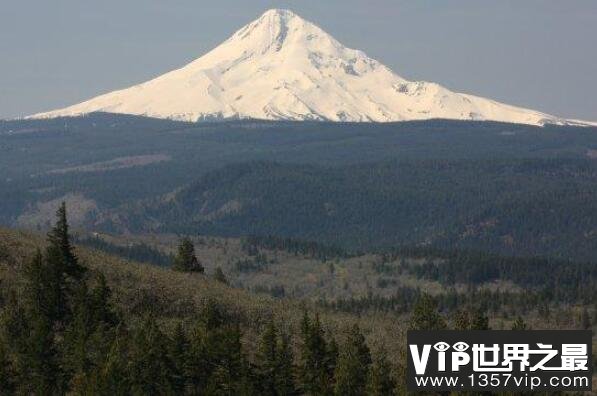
(282, 67)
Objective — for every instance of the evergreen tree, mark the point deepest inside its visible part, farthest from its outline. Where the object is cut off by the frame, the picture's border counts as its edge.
(380, 381)
(151, 371)
(39, 290)
(479, 321)
(87, 335)
(212, 315)
(185, 259)
(7, 374)
(99, 299)
(215, 361)
(113, 376)
(425, 315)
(60, 246)
(353, 365)
(31, 331)
(267, 360)
(519, 324)
(37, 323)
(313, 365)
(178, 355)
(285, 362)
(461, 320)
(41, 359)
(220, 383)
(332, 354)
(62, 272)
(198, 367)
(223, 353)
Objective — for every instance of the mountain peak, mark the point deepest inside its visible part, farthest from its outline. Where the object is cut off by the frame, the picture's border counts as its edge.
(280, 66)
(277, 17)
(273, 29)
(278, 12)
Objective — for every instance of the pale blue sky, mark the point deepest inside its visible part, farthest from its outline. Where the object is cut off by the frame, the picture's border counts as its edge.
(540, 54)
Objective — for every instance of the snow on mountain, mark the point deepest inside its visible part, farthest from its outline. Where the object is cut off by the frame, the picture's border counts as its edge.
(283, 67)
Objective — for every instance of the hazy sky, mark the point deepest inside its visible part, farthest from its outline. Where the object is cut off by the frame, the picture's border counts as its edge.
(540, 54)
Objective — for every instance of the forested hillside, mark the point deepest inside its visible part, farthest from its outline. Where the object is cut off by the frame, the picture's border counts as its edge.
(506, 188)
(75, 320)
(520, 207)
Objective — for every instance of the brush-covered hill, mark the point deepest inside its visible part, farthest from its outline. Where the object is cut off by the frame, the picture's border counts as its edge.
(130, 327)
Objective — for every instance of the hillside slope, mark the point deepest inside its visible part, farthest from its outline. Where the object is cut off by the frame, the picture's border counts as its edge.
(525, 207)
(139, 288)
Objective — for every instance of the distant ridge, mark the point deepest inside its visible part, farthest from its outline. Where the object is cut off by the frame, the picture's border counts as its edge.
(281, 67)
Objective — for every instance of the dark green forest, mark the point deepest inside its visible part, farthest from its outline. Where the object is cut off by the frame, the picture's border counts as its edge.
(61, 333)
(136, 252)
(522, 207)
(506, 188)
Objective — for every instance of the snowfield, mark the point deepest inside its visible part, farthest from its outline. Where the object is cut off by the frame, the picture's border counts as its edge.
(281, 67)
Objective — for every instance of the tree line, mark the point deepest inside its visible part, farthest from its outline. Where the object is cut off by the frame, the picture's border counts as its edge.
(61, 334)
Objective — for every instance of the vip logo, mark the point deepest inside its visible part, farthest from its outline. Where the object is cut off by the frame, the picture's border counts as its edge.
(459, 357)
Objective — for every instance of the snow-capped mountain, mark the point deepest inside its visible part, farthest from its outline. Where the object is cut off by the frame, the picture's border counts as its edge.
(283, 67)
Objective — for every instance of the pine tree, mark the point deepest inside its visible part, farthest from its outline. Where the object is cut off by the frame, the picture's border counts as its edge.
(224, 356)
(59, 329)
(113, 376)
(185, 259)
(77, 334)
(519, 324)
(267, 360)
(59, 240)
(198, 367)
(313, 365)
(62, 272)
(99, 299)
(32, 331)
(461, 320)
(38, 293)
(246, 383)
(479, 321)
(352, 370)
(380, 381)
(7, 374)
(220, 383)
(87, 334)
(151, 371)
(332, 354)
(212, 315)
(425, 315)
(215, 360)
(285, 362)
(178, 355)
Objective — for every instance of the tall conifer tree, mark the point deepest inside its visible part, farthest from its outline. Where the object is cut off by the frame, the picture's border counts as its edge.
(186, 259)
(352, 370)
